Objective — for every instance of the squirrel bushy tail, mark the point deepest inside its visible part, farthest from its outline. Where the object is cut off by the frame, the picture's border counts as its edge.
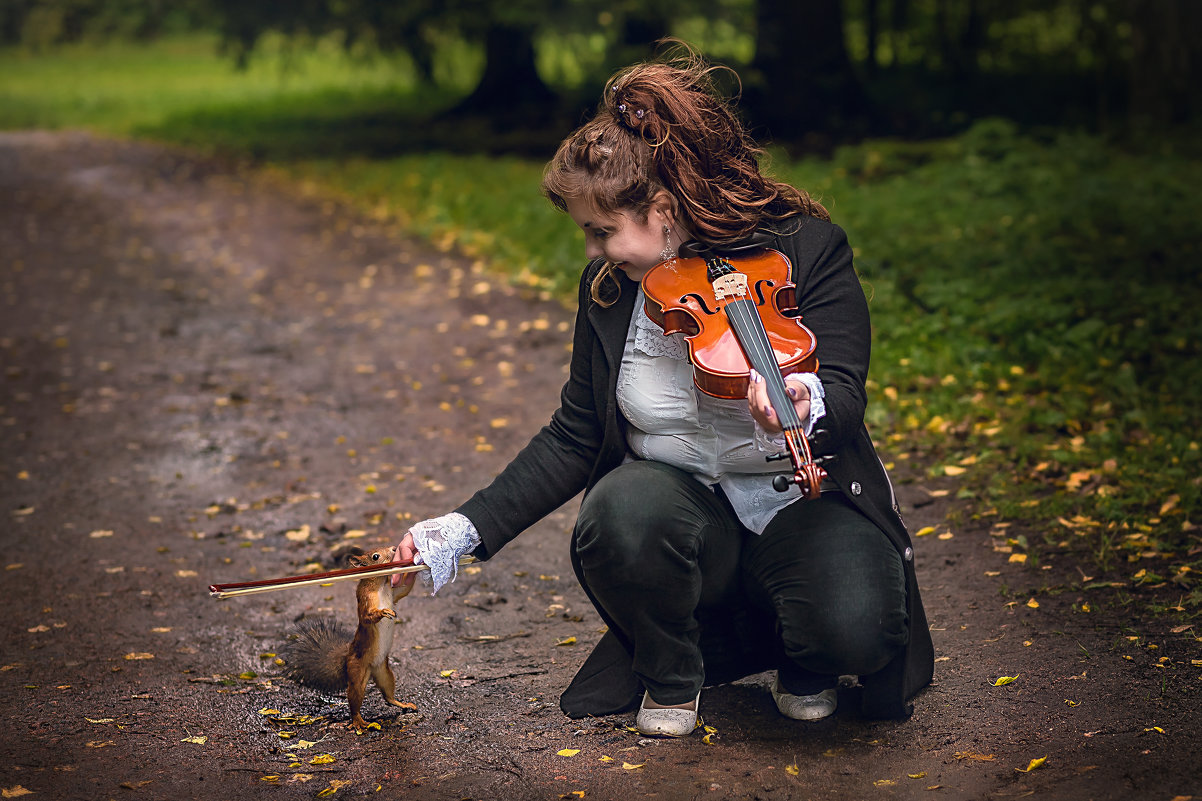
(317, 655)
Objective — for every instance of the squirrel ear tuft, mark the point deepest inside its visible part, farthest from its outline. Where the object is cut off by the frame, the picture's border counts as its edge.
(353, 555)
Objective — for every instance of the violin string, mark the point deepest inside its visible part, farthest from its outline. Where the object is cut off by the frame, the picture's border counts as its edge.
(760, 353)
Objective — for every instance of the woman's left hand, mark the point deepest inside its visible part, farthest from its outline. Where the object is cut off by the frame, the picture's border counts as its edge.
(761, 409)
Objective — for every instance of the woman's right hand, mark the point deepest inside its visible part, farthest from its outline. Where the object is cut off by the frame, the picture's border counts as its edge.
(406, 553)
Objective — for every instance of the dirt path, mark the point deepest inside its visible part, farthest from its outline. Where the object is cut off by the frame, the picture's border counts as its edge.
(198, 363)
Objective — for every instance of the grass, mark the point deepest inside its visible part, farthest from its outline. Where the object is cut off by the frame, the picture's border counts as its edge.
(1034, 299)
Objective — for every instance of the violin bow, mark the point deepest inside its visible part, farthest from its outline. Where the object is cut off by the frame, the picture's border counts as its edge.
(347, 574)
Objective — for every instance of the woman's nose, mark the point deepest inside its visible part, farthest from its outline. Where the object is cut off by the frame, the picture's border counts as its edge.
(591, 249)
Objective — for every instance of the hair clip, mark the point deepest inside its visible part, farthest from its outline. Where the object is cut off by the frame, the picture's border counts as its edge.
(639, 114)
(622, 107)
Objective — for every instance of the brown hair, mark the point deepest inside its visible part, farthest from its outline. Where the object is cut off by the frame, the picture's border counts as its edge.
(663, 125)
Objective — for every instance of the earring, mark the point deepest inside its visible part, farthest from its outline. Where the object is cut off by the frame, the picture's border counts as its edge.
(668, 252)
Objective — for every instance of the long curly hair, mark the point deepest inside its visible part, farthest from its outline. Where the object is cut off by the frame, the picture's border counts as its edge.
(664, 125)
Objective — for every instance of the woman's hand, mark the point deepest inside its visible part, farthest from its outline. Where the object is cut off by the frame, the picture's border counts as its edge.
(405, 552)
(761, 409)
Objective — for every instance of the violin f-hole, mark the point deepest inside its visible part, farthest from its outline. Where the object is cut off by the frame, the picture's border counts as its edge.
(700, 302)
(759, 291)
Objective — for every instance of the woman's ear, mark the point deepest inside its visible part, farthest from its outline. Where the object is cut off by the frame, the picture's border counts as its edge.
(665, 205)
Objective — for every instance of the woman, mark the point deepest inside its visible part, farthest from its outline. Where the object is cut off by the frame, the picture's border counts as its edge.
(702, 571)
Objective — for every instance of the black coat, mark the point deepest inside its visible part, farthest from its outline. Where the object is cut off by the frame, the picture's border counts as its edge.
(586, 438)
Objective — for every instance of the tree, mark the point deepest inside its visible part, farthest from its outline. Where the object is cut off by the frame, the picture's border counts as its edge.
(803, 80)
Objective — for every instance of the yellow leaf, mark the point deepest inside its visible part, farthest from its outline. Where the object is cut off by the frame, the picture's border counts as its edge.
(266, 711)
(100, 533)
(197, 740)
(884, 783)
(1071, 702)
(321, 759)
(568, 752)
(607, 759)
(952, 470)
(1017, 557)
(567, 641)
(925, 530)
(138, 655)
(1032, 765)
(100, 720)
(1034, 604)
(792, 770)
(274, 777)
(947, 535)
(922, 775)
(708, 739)
(628, 766)
(15, 791)
(1006, 680)
(446, 674)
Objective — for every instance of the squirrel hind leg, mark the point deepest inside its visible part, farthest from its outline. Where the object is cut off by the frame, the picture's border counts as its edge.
(386, 682)
(356, 691)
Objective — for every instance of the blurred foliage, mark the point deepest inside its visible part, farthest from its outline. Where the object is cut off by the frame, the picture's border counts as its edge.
(912, 67)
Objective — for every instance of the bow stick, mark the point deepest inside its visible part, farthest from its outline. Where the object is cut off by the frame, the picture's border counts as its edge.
(348, 574)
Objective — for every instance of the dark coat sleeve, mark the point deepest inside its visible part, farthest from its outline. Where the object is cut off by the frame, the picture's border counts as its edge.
(833, 307)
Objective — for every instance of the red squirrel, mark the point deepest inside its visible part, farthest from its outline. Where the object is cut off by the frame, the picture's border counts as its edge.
(322, 657)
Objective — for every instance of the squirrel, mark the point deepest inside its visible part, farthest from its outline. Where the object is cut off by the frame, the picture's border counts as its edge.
(325, 655)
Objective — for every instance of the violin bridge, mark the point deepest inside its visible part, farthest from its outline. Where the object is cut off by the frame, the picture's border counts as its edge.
(730, 285)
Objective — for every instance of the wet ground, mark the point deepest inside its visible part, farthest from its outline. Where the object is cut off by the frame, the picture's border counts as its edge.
(214, 377)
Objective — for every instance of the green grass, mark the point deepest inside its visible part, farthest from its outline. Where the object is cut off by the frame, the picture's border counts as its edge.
(1034, 300)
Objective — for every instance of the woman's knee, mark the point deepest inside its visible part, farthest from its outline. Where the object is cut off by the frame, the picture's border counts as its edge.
(633, 513)
(845, 638)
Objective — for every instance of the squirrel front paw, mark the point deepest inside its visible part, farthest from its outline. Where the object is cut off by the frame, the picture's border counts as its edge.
(376, 615)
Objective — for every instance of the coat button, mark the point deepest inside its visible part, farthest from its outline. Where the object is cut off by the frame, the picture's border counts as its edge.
(909, 554)
(855, 488)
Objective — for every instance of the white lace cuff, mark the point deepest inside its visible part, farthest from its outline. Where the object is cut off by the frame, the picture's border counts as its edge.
(775, 443)
(440, 543)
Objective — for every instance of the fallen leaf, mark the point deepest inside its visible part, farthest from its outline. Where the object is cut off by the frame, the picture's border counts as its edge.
(922, 775)
(1032, 765)
(974, 756)
(567, 641)
(793, 770)
(15, 791)
(198, 740)
(136, 655)
(1034, 604)
(1002, 680)
(568, 752)
(100, 533)
(884, 783)
(628, 766)
(321, 759)
(925, 530)
(953, 470)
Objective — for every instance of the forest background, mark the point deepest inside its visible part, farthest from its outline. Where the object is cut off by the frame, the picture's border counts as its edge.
(1019, 179)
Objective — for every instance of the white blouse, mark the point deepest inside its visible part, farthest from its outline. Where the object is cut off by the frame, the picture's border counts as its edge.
(717, 440)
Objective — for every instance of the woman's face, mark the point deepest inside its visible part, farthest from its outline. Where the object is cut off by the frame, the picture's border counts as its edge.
(633, 246)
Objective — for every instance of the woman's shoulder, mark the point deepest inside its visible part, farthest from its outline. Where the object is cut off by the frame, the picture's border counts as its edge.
(804, 229)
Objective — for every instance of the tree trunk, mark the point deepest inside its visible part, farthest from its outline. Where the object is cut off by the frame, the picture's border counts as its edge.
(510, 90)
(804, 83)
(1165, 65)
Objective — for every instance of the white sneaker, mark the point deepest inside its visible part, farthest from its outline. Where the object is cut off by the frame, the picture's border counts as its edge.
(804, 707)
(667, 722)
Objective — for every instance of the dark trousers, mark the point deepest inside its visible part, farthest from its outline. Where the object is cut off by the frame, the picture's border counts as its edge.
(702, 600)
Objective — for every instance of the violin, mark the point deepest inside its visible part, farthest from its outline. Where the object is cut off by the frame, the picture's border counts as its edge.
(738, 316)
